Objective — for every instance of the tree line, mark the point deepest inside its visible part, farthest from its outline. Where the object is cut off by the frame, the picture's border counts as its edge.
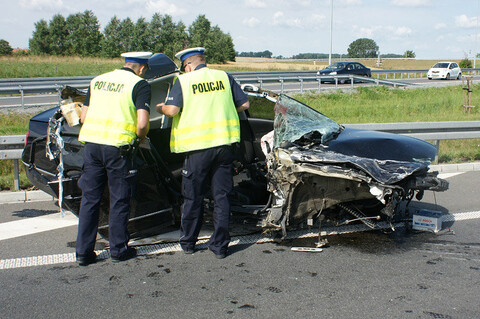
(79, 34)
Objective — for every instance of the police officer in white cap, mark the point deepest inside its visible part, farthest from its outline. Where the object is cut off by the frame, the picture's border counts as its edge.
(115, 112)
(204, 104)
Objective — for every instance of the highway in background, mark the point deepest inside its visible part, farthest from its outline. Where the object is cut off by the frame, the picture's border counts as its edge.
(52, 99)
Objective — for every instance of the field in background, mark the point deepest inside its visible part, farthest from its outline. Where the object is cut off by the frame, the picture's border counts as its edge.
(261, 64)
(49, 66)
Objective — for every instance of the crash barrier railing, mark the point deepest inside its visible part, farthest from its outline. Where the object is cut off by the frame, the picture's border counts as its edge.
(24, 86)
(11, 146)
(319, 80)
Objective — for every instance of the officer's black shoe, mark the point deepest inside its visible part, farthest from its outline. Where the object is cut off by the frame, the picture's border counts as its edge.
(219, 256)
(87, 259)
(129, 254)
(188, 251)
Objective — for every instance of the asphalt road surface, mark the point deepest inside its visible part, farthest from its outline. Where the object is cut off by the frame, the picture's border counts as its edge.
(370, 274)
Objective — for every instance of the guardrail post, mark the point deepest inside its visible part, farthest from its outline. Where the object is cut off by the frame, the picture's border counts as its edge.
(351, 81)
(22, 95)
(436, 143)
(282, 82)
(261, 83)
(319, 84)
(16, 175)
(301, 85)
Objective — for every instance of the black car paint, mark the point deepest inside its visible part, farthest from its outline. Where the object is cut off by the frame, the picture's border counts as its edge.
(364, 71)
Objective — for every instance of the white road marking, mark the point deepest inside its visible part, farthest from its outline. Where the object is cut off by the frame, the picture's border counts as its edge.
(35, 225)
(448, 175)
(202, 244)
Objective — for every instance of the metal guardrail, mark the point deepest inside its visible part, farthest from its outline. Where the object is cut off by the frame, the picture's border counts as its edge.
(11, 146)
(55, 84)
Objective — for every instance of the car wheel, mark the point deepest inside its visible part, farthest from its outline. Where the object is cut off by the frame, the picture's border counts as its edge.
(447, 77)
(429, 78)
(459, 76)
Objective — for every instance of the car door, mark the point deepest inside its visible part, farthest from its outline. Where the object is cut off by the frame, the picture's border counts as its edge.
(452, 71)
(456, 69)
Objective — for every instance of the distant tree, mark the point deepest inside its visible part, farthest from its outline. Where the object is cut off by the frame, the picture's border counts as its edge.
(165, 36)
(219, 46)
(84, 37)
(111, 43)
(465, 64)
(198, 31)
(363, 48)
(409, 54)
(263, 54)
(40, 41)
(181, 37)
(140, 40)
(57, 35)
(315, 56)
(126, 30)
(5, 48)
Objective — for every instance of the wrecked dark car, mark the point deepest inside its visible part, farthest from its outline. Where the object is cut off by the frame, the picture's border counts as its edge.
(299, 169)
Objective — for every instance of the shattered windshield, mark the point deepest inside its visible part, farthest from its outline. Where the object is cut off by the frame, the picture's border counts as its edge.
(298, 123)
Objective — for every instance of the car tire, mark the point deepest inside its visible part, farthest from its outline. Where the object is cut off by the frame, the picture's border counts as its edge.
(447, 77)
(429, 78)
(459, 76)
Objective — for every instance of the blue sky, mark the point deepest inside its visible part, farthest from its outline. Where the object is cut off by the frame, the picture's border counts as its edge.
(431, 28)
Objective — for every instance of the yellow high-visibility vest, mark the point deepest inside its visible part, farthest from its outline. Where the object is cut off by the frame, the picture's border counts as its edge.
(112, 117)
(208, 117)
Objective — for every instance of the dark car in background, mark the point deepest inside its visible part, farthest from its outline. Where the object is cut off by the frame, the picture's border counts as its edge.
(300, 168)
(346, 68)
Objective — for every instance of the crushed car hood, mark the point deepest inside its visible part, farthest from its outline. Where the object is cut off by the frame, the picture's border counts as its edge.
(308, 136)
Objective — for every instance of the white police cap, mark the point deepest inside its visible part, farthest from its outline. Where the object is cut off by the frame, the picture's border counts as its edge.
(182, 55)
(137, 57)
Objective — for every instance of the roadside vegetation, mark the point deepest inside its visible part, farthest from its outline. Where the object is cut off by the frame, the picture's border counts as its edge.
(364, 105)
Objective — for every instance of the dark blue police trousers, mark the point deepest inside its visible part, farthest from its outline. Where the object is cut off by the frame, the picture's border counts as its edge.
(200, 167)
(104, 163)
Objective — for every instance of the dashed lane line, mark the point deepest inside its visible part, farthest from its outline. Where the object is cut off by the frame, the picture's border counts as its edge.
(162, 248)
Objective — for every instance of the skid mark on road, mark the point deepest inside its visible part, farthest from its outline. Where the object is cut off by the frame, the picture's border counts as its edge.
(162, 248)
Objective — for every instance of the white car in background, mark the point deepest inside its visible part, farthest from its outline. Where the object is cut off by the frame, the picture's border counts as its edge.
(445, 70)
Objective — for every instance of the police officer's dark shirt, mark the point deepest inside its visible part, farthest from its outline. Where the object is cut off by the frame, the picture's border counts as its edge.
(175, 97)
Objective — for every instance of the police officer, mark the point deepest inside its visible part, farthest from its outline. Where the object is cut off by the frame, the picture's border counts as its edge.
(115, 112)
(204, 105)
